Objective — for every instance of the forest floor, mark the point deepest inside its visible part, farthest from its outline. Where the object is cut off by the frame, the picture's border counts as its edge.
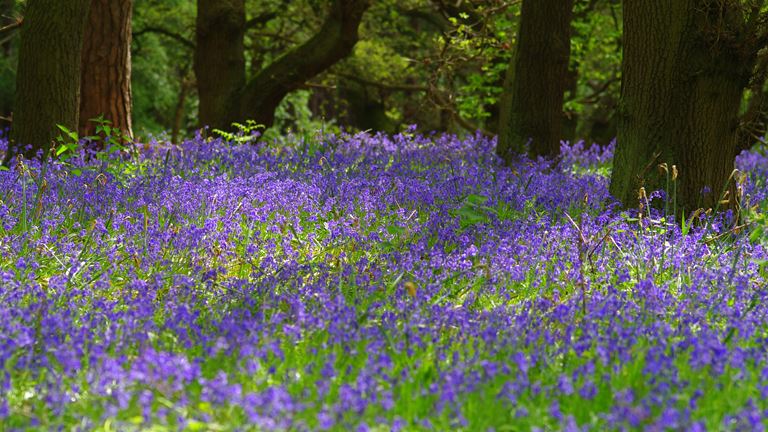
(372, 283)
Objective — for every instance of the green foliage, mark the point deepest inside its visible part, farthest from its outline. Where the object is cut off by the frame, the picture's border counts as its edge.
(481, 89)
(246, 134)
(596, 58)
(454, 54)
(293, 116)
(160, 64)
(379, 61)
(68, 143)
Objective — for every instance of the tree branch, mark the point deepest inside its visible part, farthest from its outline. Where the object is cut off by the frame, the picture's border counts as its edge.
(467, 9)
(260, 20)
(165, 32)
(435, 20)
(598, 91)
(332, 43)
(588, 9)
(385, 86)
(461, 121)
(10, 28)
(439, 100)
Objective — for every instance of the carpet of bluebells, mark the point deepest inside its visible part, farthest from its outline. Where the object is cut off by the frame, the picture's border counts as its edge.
(373, 282)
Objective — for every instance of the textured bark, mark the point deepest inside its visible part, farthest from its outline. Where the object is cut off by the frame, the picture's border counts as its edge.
(106, 68)
(219, 61)
(686, 64)
(225, 97)
(537, 77)
(48, 83)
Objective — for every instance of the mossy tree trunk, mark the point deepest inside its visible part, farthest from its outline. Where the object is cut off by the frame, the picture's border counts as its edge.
(106, 66)
(537, 78)
(48, 80)
(685, 67)
(225, 94)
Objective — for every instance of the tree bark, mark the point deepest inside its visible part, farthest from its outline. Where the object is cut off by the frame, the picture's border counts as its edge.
(219, 60)
(48, 83)
(686, 64)
(106, 67)
(225, 97)
(537, 78)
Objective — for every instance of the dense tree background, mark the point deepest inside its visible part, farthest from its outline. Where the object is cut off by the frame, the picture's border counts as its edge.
(454, 66)
(424, 62)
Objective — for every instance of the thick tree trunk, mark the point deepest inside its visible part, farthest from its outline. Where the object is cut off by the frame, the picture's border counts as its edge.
(219, 61)
(332, 43)
(532, 103)
(683, 80)
(106, 69)
(48, 83)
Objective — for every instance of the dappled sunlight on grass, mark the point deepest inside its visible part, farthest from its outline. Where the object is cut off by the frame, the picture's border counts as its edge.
(353, 282)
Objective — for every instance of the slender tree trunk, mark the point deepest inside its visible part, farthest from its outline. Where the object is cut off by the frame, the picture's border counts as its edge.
(537, 77)
(686, 64)
(106, 69)
(219, 61)
(48, 83)
(187, 83)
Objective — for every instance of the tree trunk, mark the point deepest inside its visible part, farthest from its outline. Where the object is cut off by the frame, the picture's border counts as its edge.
(48, 83)
(537, 77)
(220, 67)
(332, 43)
(106, 67)
(686, 64)
(219, 61)
(187, 83)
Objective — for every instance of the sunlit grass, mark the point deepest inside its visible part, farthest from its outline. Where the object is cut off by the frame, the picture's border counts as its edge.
(389, 283)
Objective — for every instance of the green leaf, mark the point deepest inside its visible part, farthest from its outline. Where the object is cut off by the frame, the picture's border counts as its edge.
(395, 230)
(470, 216)
(755, 236)
(476, 199)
